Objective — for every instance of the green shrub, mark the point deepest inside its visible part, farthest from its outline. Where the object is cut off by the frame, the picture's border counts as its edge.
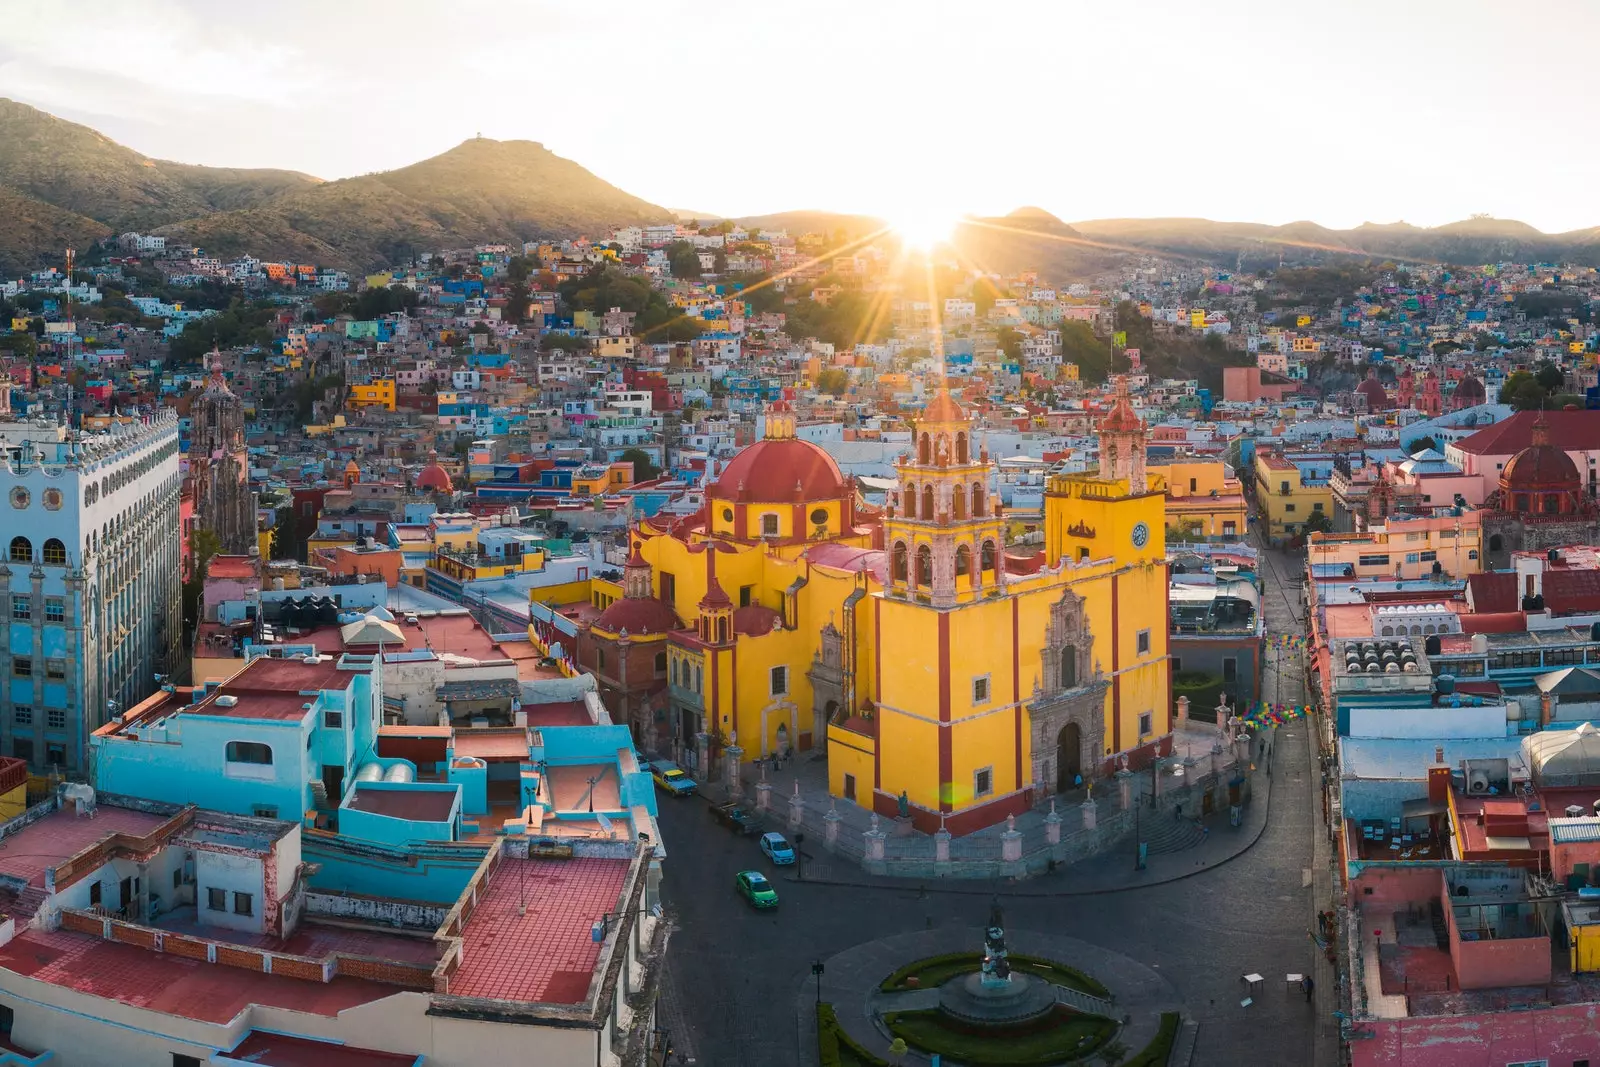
(838, 1049)
(1156, 1052)
(936, 970)
(1069, 1037)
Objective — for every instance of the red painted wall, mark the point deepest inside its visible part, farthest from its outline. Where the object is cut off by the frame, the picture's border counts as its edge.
(1560, 1035)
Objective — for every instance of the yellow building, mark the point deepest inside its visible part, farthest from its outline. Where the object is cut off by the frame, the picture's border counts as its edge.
(1203, 502)
(615, 347)
(1285, 499)
(378, 393)
(932, 663)
(599, 480)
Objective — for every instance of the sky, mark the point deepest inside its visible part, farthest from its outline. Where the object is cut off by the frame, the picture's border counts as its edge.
(1337, 111)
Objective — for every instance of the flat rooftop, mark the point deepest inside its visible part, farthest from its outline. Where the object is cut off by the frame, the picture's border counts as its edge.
(492, 744)
(415, 805)
(40, 845)
(310, 939)
(569, 787)
(189, 989)
(546, 955)
(457, 632)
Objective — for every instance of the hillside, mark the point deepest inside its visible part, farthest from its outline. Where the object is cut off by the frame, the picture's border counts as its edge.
(479, 192)
(1470, 241)
(65, 184)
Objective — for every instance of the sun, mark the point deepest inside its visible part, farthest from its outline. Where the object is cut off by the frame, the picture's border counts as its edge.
(921, 228)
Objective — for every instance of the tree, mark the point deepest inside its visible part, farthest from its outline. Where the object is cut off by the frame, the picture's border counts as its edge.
(1080, 346)
(1523, 392)
(719, 262)
(833, 381)
(203, 544)
(1422, 444)
(1010, 342)
(683, 260)
(682, 328)
(985, 292)
(644, 468)
(1550, 377)
(1318, 523)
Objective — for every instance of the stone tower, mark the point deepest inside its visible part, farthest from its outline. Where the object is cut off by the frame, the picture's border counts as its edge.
(219, 467)
(1122, 441)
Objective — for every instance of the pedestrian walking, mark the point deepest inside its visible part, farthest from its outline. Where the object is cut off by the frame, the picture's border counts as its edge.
(1306, 986)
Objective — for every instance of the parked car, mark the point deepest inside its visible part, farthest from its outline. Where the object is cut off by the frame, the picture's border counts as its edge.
(670, 777)
(777, 849)
(736, 819)
(754, 887)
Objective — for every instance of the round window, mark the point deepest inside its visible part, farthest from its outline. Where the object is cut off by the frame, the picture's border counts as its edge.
(20, 497)
(819, 515)
(52, 499)
(727, 514)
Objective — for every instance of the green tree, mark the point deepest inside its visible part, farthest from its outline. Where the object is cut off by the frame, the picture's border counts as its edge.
(1079, 345)
(203, 544)
(719, 262)
(683, 260)
(682, 328)
(1010, 342)
(1550, 377)
(833, 381)
(644, 468)
(1422, 444)
(985, 292)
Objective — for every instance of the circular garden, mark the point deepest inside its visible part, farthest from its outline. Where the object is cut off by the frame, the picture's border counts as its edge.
(1042, 1013)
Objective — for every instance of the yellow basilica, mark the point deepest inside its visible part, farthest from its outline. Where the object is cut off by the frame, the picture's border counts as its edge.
(933, 661)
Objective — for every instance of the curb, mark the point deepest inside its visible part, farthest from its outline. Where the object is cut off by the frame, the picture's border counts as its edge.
(989, 890)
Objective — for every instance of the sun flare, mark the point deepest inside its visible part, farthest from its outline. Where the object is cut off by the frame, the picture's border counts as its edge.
(923, 228)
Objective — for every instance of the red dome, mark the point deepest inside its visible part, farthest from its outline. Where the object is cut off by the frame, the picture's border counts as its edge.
(756, 620)
(1543, 468)
(770, 469)
(434, 478)
(1377, 397)
(637, 615)
(1469, 392)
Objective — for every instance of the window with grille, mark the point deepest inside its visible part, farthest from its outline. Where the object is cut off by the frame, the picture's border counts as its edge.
(56, 718)
(55, 609)
(21, 607)
(22, 715)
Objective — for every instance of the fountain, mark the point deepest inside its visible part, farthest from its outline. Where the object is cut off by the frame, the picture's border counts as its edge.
(996, 996)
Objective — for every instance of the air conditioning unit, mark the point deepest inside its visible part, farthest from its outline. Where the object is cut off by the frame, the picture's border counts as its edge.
(1477, 784)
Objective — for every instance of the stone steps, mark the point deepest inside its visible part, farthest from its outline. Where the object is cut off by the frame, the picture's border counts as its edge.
(1085, 1002)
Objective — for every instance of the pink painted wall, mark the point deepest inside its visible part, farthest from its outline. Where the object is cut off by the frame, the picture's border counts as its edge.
(1563, 857)
(1393, 887)
(1560, 1035)
(1496, 964)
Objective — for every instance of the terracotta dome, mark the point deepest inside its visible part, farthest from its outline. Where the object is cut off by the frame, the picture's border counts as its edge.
(756, 620)
(1377, 396)
(1541, 467)
(637, 615)
(1469, 392)
(943, 408)
(769, 471)
(434, 478)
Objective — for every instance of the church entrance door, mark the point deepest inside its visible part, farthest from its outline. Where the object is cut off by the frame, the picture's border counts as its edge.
(1069, 756)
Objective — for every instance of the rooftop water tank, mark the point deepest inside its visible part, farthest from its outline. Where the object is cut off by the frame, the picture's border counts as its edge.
(400, 772)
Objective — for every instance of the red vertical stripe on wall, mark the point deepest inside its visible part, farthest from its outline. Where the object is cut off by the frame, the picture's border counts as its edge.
(1116, 680)
(877, 688)
(1016, 682)
(946, 756)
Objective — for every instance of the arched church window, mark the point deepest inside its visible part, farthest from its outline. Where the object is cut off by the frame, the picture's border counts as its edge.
(898, 558)
(986, 559)
(963, 561)
(924, 565)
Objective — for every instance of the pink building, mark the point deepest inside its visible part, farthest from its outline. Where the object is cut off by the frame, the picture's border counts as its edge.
(1485, 454)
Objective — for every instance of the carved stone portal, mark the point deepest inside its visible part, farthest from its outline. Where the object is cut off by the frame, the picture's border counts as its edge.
(1067, 714)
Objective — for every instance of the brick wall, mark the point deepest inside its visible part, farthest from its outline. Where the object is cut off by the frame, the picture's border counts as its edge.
(80, 923)
(290, 967)
(187, 947)
(412, 976)
(243, 958)
(142, 936)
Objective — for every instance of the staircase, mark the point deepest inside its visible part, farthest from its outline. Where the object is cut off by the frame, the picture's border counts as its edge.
(1164, 834)
(1440, 933)
(1085, 1002)
(26, 904)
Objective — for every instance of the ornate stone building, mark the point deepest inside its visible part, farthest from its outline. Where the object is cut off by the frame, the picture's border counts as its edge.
(219, 466)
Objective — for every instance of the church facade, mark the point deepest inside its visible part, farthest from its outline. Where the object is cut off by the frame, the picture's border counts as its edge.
(927, 659)
(219, 466)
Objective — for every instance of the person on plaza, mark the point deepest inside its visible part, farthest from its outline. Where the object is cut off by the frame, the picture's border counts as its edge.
(1306, 987)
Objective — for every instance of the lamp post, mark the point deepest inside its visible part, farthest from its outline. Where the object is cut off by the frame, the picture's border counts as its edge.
(799, 856)
(816, 972)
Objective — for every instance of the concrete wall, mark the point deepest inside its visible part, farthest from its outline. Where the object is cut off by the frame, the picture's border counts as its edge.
(232, 874)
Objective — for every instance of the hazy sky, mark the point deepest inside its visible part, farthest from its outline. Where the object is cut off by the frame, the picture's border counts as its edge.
(1268, 110)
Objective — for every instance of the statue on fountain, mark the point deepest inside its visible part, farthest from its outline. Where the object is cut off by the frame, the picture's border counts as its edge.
(996, 968)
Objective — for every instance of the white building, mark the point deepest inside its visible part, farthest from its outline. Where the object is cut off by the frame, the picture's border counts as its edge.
(89, 580)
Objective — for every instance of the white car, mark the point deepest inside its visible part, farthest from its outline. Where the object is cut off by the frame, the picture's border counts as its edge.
(777, 849)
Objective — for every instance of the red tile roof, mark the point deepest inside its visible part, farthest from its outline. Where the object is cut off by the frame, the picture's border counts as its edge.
(546, 955)
(1572, 591)
(1492, 591)
(280, 1050)
(43, 844)
(1572, 431)
(186, 988)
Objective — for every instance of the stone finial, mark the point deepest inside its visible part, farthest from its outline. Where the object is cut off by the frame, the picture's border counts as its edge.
(874, 823)
(1011, 824)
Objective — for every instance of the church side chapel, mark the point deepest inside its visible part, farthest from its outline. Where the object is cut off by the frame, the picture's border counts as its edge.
(926, 657)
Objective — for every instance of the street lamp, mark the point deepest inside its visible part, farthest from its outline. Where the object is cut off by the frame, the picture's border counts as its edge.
(799, 856)
(816, 972)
